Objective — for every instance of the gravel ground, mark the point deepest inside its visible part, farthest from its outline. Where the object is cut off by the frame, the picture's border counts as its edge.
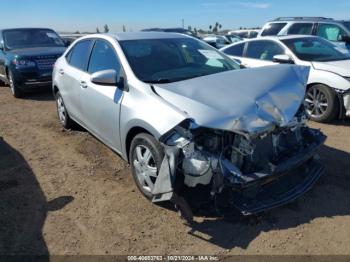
(64, 192)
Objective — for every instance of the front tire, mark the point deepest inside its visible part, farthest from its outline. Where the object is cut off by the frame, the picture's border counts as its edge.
(16, 92)
(62, 112)
(146, 156)
(322, 104)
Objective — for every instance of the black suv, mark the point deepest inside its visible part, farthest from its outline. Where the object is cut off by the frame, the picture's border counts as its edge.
(27, 57)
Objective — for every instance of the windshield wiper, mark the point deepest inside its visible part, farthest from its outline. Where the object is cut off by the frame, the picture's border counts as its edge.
(159, 81)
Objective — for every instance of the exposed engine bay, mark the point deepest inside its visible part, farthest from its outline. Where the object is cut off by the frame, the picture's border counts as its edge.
(235, 160)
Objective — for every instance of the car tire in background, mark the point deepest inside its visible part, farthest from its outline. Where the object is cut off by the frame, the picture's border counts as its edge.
(322, 103)
(62, 112)
(146, 156)
(16, 92)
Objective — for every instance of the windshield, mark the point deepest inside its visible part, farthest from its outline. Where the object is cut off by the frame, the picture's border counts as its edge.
(316, 49)
(27, 38)
(174, 59)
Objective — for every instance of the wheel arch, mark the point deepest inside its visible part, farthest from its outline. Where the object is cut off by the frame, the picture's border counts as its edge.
(133, 132)
(309, 85)
(55, 90)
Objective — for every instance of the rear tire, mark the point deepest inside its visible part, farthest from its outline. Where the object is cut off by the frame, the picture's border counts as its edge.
(146, 156)
(322, 104)
(16, 92)
(62, 112)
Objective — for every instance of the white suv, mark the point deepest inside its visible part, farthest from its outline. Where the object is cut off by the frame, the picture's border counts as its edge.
(337, 31)
(328, 90)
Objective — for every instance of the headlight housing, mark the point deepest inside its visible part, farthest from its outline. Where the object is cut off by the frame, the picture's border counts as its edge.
(23, 63)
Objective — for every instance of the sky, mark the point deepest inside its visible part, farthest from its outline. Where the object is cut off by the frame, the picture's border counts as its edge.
(87, 15)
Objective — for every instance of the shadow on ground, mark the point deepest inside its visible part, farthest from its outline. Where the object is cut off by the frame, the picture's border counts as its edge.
(341, 122)
(330, 197)
(41, 95)
(23, 206)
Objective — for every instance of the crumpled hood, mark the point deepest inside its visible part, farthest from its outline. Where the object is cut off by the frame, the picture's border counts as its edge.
(247, 101)
(341, 67)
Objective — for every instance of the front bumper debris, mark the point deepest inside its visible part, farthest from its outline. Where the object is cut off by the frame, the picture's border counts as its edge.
(279, 192)
(276, 177)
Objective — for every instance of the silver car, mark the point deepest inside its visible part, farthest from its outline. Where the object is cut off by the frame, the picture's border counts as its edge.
(181, 112)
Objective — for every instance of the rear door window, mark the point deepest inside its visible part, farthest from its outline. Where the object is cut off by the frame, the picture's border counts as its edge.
(300, 29)
(236, 50)
(263, 50)
(273, 29)
(78, 56)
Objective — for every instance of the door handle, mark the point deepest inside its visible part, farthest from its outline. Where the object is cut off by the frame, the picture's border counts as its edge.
(61, 72)
(83, 84)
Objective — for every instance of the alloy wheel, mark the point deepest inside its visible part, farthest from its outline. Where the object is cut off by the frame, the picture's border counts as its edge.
(12, 84)
(61, 109)
(316, 102)
(145, 167)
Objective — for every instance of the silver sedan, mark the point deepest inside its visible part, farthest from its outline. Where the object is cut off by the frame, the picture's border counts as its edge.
(180, 111)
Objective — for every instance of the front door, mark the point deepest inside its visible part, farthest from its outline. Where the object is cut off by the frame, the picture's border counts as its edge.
(101, 103)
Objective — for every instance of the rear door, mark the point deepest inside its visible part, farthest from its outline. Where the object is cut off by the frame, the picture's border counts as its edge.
(100, 103)
(69, 76)
(261, 52)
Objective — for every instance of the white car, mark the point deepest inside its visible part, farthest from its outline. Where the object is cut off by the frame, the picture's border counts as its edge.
(328, 90)
(246, 33)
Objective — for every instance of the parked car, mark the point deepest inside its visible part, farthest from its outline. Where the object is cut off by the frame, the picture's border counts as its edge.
(181, 112)
(337, 31)
(328, 90)
(217, 41)
(70, 38)
(234, 38)
(27, 56)
(245, 34)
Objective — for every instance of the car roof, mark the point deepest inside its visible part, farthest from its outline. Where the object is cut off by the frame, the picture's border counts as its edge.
(147, 35)
(27, 28)
(306, 19)
(274, 38)
(285, 37)
(177, 29)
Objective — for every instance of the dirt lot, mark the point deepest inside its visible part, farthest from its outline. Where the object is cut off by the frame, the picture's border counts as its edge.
(63, 192)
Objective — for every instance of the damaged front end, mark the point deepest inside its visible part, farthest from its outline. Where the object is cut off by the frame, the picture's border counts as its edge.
(261, 170)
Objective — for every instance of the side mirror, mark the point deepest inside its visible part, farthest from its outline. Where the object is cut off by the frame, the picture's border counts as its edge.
(283, 59)
(105, 77)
